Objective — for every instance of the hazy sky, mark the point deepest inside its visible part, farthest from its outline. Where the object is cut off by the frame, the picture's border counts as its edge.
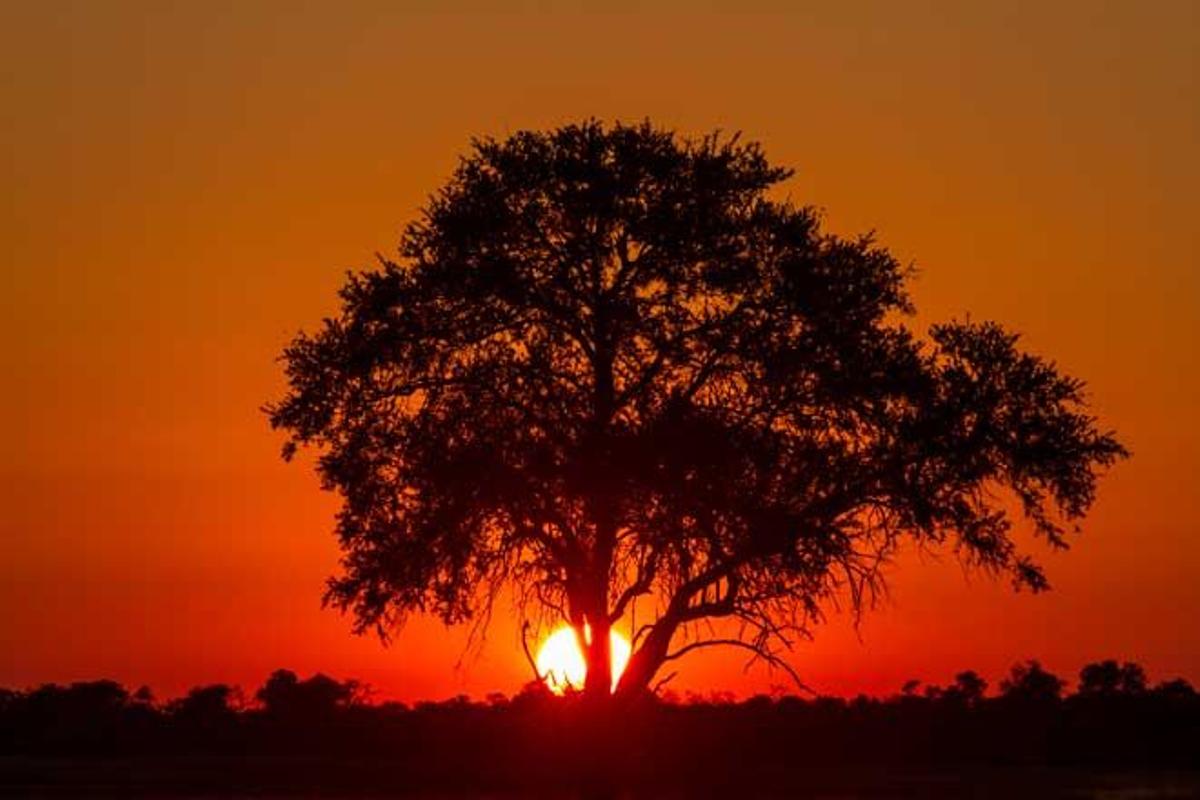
(185, 184)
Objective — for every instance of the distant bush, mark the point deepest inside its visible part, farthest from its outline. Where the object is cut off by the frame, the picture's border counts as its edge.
(1114, 720)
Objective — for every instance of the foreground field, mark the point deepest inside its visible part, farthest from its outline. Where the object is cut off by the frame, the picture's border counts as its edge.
(261, 777)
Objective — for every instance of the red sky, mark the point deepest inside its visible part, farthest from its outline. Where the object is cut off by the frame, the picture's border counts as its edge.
(185, 185)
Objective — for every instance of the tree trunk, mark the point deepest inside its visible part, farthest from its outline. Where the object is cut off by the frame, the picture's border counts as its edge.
(645, 663)
(598, 684)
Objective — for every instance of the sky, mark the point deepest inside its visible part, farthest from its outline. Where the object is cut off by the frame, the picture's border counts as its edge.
(186, 184)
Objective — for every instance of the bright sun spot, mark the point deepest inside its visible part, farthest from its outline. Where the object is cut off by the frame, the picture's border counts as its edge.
(561, 664)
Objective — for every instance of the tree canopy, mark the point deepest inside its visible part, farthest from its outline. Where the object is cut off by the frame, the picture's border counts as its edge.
(611, 371)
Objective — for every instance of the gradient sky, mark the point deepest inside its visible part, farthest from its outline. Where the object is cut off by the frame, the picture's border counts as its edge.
(184, 185)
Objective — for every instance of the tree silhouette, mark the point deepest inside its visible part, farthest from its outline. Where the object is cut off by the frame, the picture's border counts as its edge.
(610, 372)
(968, 689)
(1030, 683)
(320, 736)
(284, 695)
(206, 706)
(1110, 678)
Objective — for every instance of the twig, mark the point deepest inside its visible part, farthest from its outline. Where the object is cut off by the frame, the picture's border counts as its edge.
(771, 659)
(663, 682)
(528, 655)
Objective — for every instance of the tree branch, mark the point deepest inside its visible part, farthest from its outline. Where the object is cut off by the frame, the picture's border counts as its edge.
(663, 682)
(528, 655)
(640, 586)
(762, 653)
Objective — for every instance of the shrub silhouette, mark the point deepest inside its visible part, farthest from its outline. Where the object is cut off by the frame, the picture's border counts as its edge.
(314, 735)
(1110, 678)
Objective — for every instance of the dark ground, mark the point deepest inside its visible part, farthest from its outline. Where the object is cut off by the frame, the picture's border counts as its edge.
(1115, 738)
(294, 777)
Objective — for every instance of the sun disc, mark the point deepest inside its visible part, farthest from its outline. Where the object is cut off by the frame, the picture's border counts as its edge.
(562, 665)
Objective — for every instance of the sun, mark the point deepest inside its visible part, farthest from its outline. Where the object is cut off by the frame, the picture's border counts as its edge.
(561, 664)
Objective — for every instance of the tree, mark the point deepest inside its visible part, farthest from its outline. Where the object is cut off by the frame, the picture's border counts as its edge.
(206, 706)
(1107, 678)
(968, 689)
(285, 695)
(611, 372)
(1030, 683)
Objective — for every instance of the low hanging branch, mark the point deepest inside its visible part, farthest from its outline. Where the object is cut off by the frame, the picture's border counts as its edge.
(759, 654)
(537, 675)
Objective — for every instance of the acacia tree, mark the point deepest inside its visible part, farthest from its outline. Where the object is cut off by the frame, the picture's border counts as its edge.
(611, 373)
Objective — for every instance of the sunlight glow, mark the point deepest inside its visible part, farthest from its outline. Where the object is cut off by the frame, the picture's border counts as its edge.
(562, 665)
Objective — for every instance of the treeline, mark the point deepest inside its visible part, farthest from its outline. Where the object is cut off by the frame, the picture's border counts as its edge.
(1112, 718)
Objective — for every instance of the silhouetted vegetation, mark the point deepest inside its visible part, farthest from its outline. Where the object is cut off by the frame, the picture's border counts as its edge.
(609, 367)
(320, 733)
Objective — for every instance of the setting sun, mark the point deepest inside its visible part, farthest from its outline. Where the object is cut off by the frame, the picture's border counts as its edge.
(561, 664)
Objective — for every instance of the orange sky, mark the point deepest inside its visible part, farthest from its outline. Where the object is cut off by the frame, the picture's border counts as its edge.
(185, 184)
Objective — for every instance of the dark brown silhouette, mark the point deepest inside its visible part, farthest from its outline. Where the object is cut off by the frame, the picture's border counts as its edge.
(318, 736)
(610, 371)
